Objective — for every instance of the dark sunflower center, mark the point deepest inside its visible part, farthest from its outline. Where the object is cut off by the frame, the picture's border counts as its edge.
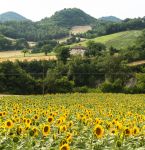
(113, 131)
(64, 148)
(127, 131)
(49, 119)
(46, 129)
(36, 117)
(8, 123)
(98, 131)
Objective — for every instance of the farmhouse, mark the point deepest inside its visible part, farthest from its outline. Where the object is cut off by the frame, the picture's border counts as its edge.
(78, 50)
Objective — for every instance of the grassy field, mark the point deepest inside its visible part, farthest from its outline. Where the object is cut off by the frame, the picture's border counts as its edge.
(18, 55)
(73, 121)
(118, 40)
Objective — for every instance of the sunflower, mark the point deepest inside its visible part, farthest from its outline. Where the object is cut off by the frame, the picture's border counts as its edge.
(9, 124)
(19, 130)
(50, 119)
(59, 121)
(4, 113)
(98, 131)
(46, 130)
(28, 121)
(135, 130)
(70, 124)
(65, 147)
(118, 126)
(113, 131)
(36, 117)
(127, 131)
(69, 137)
(97, 121)
(63, 128)
(1, 114)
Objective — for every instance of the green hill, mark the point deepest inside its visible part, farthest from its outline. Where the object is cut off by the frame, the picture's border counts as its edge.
(11, 16)
(69, 17)
(118, 40)
(110, 18)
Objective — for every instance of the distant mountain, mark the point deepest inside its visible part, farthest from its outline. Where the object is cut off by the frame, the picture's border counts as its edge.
(110, 18)
(11, 16)
(69, 18)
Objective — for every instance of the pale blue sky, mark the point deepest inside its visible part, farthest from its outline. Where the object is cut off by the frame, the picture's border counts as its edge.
(38, 9)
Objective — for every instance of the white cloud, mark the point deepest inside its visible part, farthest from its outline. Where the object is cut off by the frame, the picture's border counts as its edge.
(38, 9)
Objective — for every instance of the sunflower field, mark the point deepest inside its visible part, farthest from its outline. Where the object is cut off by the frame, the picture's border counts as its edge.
(73, 122)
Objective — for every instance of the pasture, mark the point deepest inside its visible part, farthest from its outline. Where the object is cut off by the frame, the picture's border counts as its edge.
(73, 122)
(119, 40)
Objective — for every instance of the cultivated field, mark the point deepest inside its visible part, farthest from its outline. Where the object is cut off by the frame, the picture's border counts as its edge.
(80, 29)
(73, 121)
(136, 63)
(118, 40)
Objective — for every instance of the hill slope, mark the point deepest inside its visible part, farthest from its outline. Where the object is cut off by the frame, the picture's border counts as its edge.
(11, 16)
(110, 18)
(118, 40)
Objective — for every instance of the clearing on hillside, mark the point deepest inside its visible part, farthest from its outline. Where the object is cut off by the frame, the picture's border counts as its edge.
(80, 29)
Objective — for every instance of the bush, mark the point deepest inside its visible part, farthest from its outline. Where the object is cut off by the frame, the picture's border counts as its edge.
(114, 87)
(83, 89)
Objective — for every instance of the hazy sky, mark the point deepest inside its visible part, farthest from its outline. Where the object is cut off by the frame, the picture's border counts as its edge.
(38, 9)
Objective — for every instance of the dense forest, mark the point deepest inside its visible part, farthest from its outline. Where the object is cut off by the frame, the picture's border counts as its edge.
(100, 70)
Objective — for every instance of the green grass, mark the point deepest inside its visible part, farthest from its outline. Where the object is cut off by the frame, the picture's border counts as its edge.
(119, 40)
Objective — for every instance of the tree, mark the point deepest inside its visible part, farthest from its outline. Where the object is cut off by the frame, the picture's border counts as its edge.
(25, 51)
(5, 44)
(63, 53)
(46, 49)
(94, 48)
(15, 80)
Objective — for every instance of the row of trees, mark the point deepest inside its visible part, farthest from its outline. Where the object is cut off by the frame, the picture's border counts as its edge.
(6, 44)
(106, 74)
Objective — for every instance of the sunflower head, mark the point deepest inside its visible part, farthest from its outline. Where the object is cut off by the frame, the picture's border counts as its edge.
(98, 131)
(50, 119)
(46, 130)
(9, 124)
(65, 147)
(135, 130)
(127, 131)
